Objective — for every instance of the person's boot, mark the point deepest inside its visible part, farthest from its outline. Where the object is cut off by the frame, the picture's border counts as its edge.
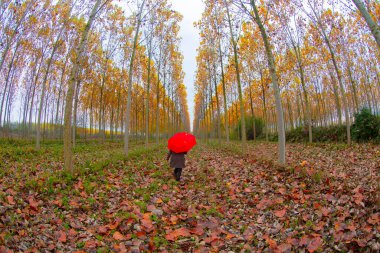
(178, 174)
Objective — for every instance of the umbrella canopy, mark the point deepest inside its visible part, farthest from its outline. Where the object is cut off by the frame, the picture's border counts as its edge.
(181, 142)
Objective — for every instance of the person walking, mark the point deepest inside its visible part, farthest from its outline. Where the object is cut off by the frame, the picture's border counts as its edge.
(177, 161)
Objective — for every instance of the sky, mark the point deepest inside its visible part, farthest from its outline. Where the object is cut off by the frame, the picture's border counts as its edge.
(192, 12)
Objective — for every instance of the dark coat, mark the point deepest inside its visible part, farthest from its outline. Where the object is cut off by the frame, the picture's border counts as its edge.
(177, 160)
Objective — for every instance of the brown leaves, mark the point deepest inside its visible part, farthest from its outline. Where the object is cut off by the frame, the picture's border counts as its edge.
(117, 236)
(312, 242)
(33, 204)
(173, 235)
(11, 200)
(102, 230)
(374, 219)
(147, 223)
(280, 213)
(62, 236)
(259, 198)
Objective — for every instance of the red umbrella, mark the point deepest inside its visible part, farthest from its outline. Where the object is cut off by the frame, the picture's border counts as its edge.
(181, 142)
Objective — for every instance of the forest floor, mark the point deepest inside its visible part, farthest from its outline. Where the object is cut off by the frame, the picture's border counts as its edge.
(229, 200)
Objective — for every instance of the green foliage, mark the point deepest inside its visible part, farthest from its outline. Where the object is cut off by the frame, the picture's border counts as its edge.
(259, 125)
(366, 126)
(320, 134)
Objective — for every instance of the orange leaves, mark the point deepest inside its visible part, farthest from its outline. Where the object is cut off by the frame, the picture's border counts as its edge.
(374, 219)
(173, 235)
(312, 242)
(117, 236)
(33, 204)
(11, 200)
(147, 223)
(62, 237)
(280, 213)
(102, 230)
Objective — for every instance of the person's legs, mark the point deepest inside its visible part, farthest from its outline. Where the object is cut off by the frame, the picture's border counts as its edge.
(177, 173)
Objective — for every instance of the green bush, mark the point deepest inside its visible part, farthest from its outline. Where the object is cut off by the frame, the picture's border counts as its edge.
(320, 134)
(366, 126)
(259, 125)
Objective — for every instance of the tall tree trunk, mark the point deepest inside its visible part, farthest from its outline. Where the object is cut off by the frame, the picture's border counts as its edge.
(339, 76)
(264, 107)
(14, 33)
(375, 30)
(236, 60)
(34, 91)
(354, 89)
(43, 86)
(148, 97)
(10, 67)
(336, 96)
(130, 73)
(217, 104)
(304, 89)
(252, 112)
(290, 113)
(77, 91)
(70, 93)
(158, 102)
(272, 70)
(224, 93)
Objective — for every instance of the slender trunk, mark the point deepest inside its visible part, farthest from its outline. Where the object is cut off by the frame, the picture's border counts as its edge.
(375, 30)
(336, 96)
(290, 113)
(100, 119)
(34, 91)
(264, 107)
(158, 101)
(43, 87)
(117, 114)
(252, 112)
(305, 92)
(339, 76)
(67, 141)
(14, 33)
(10, 67)
(272, 70)
(224, 93)
(130, 75)
(217, 103)
(147, 98)
(242, 109)
(77, 91)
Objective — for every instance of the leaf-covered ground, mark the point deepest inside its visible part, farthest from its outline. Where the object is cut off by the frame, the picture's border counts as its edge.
(229, 200)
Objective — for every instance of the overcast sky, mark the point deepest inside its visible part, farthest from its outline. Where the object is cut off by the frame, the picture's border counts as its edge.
(191, 11)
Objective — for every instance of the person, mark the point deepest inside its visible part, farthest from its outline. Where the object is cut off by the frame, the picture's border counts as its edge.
(177, 161)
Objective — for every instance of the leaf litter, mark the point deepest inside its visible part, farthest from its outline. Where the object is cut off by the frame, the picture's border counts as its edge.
(326, 199)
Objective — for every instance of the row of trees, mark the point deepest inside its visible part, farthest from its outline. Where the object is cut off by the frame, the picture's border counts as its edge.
(109, 68)
(291, 63)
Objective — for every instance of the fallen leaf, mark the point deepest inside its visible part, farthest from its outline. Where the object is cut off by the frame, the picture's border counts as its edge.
(33, 204)
(197, 231)
(172, 236)
(90, 244)
(314, 244)
(284, 247)
(62, 236)
(102, 230)
(280, 213)
(118, 236)
(282, 191)
(11, 200)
